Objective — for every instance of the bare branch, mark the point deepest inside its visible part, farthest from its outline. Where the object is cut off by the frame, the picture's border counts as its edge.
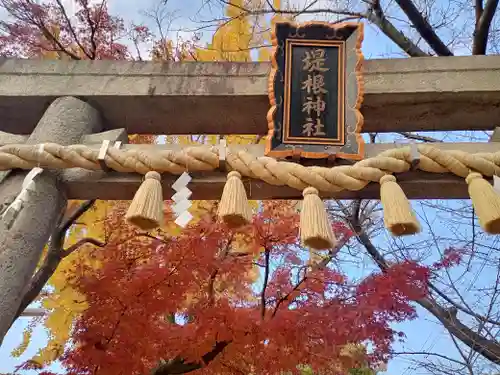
(462, 354)
(38, 281)
(306, 10)
(462, 308)
(419, 137)
(430, 353)
(424, 28)
(376, 16)
(481, 32)
(343, 12)
(489, 349)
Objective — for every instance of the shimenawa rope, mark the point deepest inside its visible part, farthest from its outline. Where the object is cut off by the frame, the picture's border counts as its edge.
(282, 173)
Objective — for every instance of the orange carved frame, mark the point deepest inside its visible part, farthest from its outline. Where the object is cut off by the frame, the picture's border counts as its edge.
(297, 151)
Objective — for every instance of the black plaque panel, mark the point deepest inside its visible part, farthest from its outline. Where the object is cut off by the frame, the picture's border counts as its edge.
(313, 104)
(315, 91)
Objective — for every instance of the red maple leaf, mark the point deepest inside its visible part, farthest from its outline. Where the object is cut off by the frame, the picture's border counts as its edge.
(176, 299)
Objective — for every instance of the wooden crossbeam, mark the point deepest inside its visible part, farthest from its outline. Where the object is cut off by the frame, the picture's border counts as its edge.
(417, 185)
(435, 93)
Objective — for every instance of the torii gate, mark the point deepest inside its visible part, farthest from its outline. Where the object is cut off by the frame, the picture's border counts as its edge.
(62, 103)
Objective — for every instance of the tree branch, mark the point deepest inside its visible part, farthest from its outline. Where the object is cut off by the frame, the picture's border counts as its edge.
(70, 27)
(93, 29)
(25, 14)
(54, 256)
(38, 281)
(320, 265)
(481, 32)
(478, 10)
(419, 137)
(489, 349)
(54, 40)
(376, 16)
(178, 366)
(213, 275)
(424, 28)
(80, 243)
(463, 308)
(264, 286)
(306, 10)
(429, 353)
(75, 215)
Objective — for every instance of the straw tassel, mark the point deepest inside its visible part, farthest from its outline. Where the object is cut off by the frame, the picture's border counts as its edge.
(486, 202)
(233, 206)
(315, 228)
(399, 217)
(146, 209)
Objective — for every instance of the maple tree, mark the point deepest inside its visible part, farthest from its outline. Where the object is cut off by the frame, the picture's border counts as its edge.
(45, 30)
(195, 301)
(48, 30)
(463, 304)
(195, 295)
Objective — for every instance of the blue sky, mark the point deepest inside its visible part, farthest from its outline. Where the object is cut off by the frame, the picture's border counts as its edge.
(422, 334)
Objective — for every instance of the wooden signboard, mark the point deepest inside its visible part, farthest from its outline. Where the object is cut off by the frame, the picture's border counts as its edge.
(316, 91)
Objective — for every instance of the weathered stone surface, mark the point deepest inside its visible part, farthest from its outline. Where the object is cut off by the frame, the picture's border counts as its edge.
(66, 121)
(9, 138)
(434, 93)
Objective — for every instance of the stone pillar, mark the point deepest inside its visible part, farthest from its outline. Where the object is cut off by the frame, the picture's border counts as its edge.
(65, 122)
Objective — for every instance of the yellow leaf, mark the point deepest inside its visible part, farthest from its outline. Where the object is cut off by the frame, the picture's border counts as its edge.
(48, 354)
(65, 305)
(17, 352)
(265, 54)
(234, 8)
(244, 139)
(198, 209)
(231, 42)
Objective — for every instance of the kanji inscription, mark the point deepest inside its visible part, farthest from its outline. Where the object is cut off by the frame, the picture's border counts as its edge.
(315, 99)
(314, 84)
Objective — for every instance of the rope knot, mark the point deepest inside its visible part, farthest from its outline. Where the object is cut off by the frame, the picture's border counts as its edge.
(234, 174)
(310, 190)
(152, 175)
(472, 176)
(387, 178)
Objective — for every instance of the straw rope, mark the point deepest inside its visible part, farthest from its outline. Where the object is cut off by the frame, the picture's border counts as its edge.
(280, 173)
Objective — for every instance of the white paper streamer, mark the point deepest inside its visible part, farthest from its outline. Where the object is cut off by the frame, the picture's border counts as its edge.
(11, 212)
(181, 199)
(496, 183)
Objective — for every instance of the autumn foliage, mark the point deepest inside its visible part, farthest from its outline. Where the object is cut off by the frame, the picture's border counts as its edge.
(156, 298)
(206, 298)
(42, 30)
